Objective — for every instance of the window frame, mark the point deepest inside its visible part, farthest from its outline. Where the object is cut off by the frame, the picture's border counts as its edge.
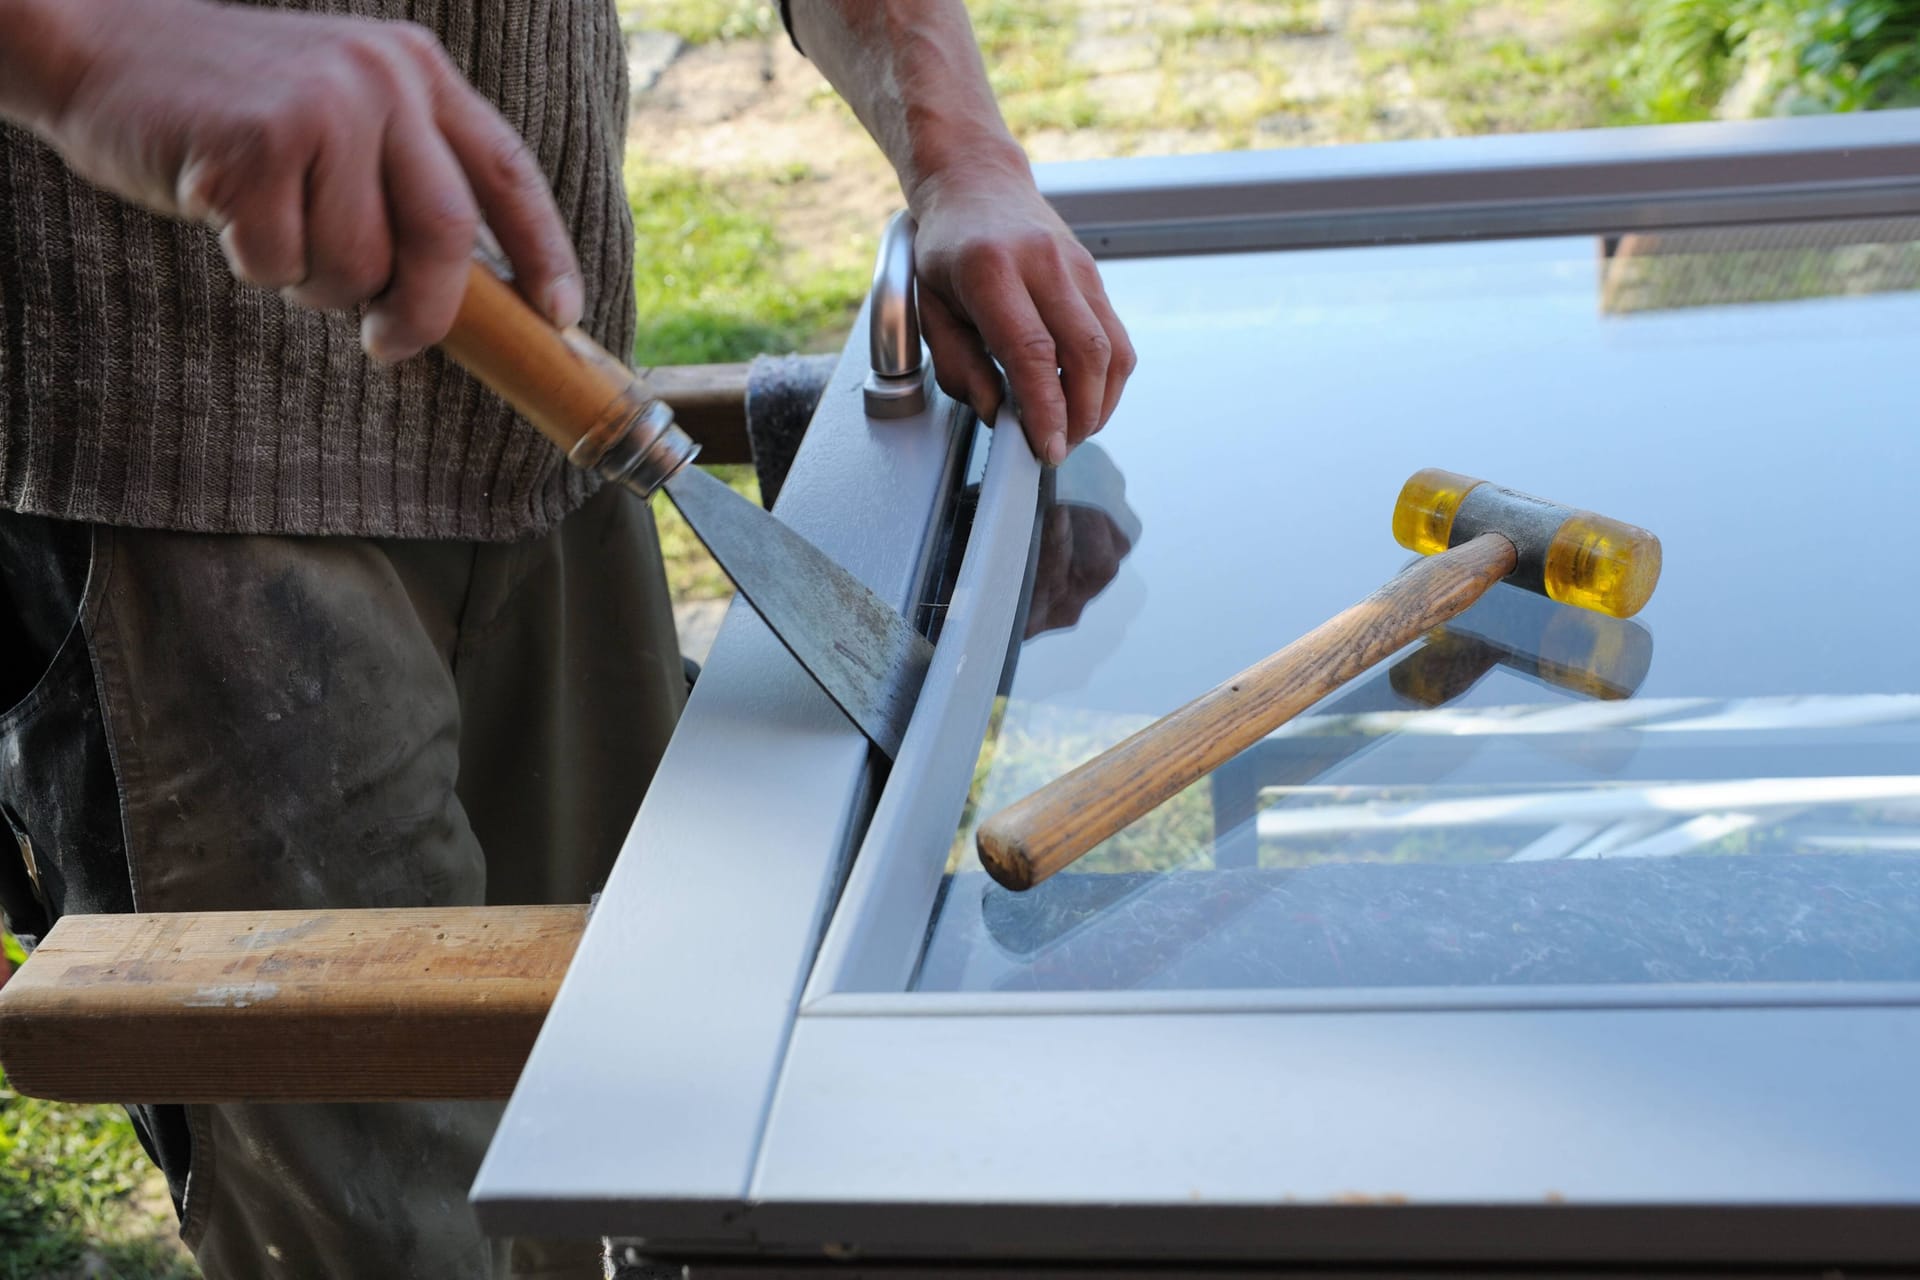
(774, 1089)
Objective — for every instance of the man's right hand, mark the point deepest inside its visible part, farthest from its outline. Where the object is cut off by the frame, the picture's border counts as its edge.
(343, 160)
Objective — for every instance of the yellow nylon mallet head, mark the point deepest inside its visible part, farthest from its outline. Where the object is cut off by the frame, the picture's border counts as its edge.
(1574, 557)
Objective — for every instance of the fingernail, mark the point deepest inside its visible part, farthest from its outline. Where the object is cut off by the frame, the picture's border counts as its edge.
(1057, 450)
(565, 301)
(373, 339)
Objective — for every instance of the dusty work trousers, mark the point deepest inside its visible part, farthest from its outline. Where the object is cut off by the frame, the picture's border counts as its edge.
(241, 723)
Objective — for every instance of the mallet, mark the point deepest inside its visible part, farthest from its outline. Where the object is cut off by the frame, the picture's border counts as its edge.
(1588, 654)
(1473, 534)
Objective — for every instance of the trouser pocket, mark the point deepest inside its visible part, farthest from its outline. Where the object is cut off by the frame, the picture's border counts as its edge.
(61, 847)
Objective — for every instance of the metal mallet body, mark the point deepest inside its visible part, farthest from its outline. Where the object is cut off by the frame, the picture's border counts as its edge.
(1472, 534)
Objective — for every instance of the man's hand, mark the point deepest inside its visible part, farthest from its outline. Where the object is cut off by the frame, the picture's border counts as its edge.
(1080, 552)
(343, 160)
(1002, 277)
(1087, 528)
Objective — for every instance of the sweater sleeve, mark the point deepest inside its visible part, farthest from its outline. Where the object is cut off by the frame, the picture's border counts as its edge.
(786, 20)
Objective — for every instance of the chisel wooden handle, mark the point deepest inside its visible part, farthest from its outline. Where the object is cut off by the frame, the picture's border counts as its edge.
(560, 380)
(1028, 841)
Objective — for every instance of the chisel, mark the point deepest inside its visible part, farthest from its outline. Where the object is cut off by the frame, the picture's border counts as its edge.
(606, 419)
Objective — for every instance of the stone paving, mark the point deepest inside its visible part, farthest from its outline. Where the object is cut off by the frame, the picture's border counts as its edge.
(1140, 81)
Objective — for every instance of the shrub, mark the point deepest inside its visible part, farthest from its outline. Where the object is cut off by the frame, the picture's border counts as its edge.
(1697, 58)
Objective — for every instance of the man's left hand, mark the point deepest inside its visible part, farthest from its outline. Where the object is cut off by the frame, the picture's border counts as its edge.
(1002, 278)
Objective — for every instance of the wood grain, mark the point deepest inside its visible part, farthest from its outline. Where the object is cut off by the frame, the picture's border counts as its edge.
(1031, 839)
(560, 380)
(710, 404)
(564, 382)
(285, 1006)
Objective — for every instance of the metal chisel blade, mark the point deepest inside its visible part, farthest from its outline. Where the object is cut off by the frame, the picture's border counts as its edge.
(863, 653)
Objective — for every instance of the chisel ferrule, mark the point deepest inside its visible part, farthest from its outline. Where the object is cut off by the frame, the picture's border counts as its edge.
(641, 450)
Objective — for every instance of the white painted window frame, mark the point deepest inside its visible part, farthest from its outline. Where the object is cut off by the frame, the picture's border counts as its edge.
(735, 1067)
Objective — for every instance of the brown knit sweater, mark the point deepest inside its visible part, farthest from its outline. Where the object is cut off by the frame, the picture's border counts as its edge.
(141, 385)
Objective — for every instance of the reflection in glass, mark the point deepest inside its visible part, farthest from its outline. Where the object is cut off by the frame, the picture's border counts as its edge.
(1520, 798)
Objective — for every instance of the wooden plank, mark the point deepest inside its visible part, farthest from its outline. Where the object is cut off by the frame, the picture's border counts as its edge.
(285, 1006)
(710, 404)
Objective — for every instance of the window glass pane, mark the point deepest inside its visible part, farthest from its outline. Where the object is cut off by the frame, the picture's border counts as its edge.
(1726, 788)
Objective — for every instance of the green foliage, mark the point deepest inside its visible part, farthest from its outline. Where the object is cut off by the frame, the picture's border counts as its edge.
(1838, 55)
(70, 1182)
(714, 280)
(68, 1178)
(1687, 54)
(1860, 54)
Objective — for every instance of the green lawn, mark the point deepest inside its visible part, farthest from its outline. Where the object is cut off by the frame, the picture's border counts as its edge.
(78, 1196)
(715, 283)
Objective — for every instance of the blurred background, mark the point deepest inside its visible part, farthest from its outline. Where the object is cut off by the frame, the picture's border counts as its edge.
(757, 201)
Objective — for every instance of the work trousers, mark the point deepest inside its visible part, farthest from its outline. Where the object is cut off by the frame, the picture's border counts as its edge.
(222, 722)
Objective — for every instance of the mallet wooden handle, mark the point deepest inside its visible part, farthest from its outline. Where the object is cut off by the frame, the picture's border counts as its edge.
(1029, 840)
(561, 381)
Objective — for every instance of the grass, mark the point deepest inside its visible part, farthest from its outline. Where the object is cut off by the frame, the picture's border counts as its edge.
(1028, 47)
(716, 283)
(77, 1193)
(1526, 65)
(702, 21)
(713, 278)
(1024, 44)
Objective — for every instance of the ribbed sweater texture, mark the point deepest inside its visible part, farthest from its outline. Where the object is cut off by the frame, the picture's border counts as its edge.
(141, 385)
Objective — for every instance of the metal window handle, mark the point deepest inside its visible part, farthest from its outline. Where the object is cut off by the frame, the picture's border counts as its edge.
(897, 387)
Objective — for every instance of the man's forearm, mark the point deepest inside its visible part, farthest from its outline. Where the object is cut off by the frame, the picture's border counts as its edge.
(1001, 277)
(912, 73)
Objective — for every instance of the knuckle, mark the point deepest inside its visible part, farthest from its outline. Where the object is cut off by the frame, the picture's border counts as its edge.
(381, 58)
(261, 255)
(367, 277)
(1034, 349)
(207, 188)
(320, 88)
(444, 226)
(417, 41)
(984, 265)
(510, 167)
(1042, 249)
(364, 57)
(255, 145)
(359, 275)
